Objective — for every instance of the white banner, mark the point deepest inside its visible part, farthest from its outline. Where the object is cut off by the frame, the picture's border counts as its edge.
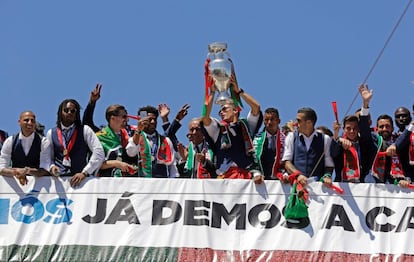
(216, 214)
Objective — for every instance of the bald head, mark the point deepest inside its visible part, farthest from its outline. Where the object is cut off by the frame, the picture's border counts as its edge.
(27, 123)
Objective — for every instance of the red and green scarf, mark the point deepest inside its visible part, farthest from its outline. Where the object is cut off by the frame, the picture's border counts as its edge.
(189, 165)
(351, 169)
(378, 168)
(225, 137)
(411, 149)
(258, 145)
(164, 154)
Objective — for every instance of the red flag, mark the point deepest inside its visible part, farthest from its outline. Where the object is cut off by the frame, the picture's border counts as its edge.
(335, 111)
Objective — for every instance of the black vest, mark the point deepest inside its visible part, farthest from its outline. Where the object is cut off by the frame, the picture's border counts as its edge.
(305, 161)
(18, 157)
(78, 155)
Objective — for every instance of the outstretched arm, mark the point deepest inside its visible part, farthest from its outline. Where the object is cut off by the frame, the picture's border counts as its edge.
(206, 119)
(90, 108)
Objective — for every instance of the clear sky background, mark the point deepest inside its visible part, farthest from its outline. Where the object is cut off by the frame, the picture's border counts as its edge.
(287, 54)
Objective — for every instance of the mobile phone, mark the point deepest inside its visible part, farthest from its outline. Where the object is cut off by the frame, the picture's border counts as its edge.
(143, 114)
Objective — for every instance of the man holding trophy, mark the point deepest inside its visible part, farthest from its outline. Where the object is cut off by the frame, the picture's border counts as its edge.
(230, 138)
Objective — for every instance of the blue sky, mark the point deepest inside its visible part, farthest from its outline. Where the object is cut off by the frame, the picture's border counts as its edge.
(287, 54)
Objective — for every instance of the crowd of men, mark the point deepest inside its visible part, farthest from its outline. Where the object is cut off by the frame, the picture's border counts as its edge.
(231, 147)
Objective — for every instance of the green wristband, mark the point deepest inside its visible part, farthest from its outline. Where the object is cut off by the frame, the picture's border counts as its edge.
(323, 177)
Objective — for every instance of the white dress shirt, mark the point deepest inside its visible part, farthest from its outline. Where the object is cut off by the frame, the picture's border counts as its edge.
(94, 145)
(133, 149)
(289, 146)
(6, 151)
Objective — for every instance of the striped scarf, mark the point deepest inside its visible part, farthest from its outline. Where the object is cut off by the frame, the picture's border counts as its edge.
(411, 149)
(351, 171)
(225, 137)
(378, 168)
(258, 143)
(189, 165)
(164, 154)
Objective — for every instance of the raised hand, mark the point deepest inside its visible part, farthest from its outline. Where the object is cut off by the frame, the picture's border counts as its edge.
(346, 144)
(183, 112)
(182, 151)
(366, 94)
(201, 157)
(95, 93)
(164, 111)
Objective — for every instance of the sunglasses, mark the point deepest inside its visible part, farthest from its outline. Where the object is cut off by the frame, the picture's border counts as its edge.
(123, 116)
(224, 109)
(72, 111)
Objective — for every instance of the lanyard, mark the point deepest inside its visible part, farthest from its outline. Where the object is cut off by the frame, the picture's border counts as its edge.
(66, 150)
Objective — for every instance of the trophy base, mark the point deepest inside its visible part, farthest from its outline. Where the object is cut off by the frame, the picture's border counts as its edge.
(221, 100)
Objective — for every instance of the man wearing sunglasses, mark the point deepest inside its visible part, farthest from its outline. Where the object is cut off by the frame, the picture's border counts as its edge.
(231, 138)
(23, 154)
(74, 148)
(114, 138)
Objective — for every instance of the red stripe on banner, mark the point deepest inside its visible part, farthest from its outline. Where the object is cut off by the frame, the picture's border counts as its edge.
(207, 255)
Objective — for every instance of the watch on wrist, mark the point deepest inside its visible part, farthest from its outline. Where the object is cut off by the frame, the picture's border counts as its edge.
(240, 91)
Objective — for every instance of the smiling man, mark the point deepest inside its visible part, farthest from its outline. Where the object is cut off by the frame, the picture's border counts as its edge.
(114, 138)
(155, 151)
(351, 164)
(24, 153)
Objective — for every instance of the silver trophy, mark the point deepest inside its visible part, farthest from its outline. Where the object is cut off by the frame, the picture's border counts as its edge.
(220, 67)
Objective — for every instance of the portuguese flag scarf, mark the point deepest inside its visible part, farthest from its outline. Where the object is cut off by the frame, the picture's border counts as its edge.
(164, 154)
(225, 142)
(411, 149)
(258, 145)
(351, 165)
(378, 168)
(189, 165)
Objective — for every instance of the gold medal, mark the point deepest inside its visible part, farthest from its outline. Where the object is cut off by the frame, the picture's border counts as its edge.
(65, 152)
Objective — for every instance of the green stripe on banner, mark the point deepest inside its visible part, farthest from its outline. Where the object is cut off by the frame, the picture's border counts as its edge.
(86, 253)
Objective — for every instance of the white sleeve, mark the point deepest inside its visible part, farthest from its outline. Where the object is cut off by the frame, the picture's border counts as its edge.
(213, 130)
(49, 152)
(364, 111)
(132, 149)
(6, 151)
(95, 146)
(45, 160)
(252, 121)
(288, 149)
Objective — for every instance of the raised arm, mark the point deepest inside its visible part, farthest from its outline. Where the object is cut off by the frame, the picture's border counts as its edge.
(87, 118)
(206, 119)
(254, 105)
